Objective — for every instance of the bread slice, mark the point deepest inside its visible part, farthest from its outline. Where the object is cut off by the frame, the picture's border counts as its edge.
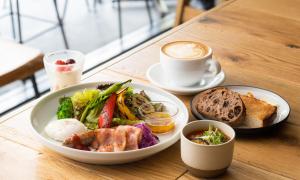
(221, 104)
(258, 112)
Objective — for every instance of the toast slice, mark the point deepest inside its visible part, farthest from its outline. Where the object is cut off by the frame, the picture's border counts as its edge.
(258, 112)
(221, 104)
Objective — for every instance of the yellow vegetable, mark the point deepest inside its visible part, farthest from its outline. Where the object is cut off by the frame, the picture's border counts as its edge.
(123, 108)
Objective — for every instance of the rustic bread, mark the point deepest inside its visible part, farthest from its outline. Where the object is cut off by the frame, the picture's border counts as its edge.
(258, 112)
(221, 104)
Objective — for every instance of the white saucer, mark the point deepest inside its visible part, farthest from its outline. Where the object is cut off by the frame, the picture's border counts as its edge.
(155, 76)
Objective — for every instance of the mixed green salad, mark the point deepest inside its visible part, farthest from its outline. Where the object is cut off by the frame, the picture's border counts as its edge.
(108, 105)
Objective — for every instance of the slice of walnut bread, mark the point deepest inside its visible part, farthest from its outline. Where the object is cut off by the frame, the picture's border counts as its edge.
(221, 104)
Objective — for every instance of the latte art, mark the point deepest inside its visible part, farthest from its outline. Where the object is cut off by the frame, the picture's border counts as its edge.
(185, 50)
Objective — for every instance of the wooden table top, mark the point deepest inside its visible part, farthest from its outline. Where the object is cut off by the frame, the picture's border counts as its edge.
(256, 42)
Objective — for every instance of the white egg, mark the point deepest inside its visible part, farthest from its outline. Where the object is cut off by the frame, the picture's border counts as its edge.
(61, 129)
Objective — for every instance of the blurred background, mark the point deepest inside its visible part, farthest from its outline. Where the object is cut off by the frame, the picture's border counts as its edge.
(102, 29)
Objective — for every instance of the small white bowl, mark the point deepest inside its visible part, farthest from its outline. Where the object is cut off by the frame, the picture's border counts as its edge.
(207, 160)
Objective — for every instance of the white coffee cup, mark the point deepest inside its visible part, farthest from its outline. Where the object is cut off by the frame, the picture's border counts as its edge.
(207, 160)
(186, 63)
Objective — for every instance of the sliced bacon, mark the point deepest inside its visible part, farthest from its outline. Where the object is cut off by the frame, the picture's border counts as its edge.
(105, 138)
(85, 139)
(133, 137)
(120, 138)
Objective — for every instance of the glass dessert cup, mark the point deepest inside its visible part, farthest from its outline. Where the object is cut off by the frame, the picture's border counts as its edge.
(64, 75)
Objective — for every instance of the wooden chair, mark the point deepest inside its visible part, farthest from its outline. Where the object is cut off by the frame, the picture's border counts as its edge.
(185, 12)
(19, 62)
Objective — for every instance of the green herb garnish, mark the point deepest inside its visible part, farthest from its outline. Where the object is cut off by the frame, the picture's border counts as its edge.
(213, 136)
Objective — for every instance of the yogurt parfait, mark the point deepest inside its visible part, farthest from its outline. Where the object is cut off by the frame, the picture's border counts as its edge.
(64, 68)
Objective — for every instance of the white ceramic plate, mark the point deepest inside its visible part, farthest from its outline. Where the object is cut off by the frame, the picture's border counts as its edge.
(283, 108)
(155, 76)
(45, 111)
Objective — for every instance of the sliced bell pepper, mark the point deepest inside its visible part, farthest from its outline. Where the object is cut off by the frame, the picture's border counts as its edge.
(123, 108)
(106, 115)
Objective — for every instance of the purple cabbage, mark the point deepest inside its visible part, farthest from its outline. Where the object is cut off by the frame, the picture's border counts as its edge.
(148, 139)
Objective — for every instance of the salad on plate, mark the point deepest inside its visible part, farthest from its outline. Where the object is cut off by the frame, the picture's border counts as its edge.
(110, 118)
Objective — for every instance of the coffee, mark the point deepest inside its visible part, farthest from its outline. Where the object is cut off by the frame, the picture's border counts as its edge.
(186, 63)
(185, 50)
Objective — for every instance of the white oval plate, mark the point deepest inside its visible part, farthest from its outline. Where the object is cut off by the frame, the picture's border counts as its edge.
(155, 76)
(283, 108)
(45, 111)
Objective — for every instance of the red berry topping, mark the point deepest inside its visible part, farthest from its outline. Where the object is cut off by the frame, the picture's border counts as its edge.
(60, 62)
(70, 61)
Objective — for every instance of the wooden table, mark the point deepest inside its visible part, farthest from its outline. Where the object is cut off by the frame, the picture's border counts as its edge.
(256, 42)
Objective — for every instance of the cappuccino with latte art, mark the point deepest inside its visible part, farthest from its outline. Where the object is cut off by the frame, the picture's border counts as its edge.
(186, 63)
(185, 50)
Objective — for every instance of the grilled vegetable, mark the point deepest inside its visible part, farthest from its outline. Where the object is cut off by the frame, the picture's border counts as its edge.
(105, 118)
(119, 121)
(135, 101)
(159, 107)
(102, 87)
(94, 107)
(65, 109)
(81, 98)
(123, 108)
(91, 121)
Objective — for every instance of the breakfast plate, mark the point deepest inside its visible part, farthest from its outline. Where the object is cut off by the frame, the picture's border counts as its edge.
(155, 76)
(44, 112)
(279, 116)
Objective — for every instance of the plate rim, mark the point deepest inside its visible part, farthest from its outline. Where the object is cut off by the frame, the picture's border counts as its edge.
(150, 148)
(199, 116)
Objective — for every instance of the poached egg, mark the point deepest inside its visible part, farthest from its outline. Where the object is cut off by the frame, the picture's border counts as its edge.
(60, 130)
